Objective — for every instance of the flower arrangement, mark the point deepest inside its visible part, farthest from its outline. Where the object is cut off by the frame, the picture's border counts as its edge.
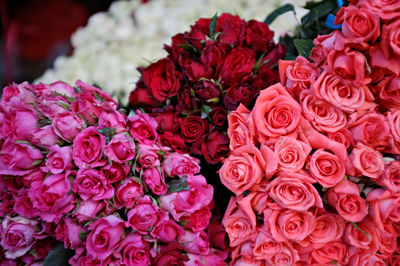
(113, 44)
(211, 69)
(74, 169)
(314, 164)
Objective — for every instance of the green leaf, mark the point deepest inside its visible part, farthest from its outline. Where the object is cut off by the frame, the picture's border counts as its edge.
(334, 262)
(64, 105)
(187, 47)
(70, 99)
(177, 185)
(58, 256)
(277, 12)
(213, 100)
(362, 231)
(318, 11)
(37, 162)
(83, 235)
(303, 46)
(213, 25)
(206, 109)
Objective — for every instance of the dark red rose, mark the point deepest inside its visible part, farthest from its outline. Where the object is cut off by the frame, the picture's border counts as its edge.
(239, 94)
(265, 77)
(174, 141)
(215, 147)
(173, 254)
(141, 97)
(231, 28)
(198, 33)
(193, 127)
(219, 116)
(162, 79)
(207, 92)
(237, 66)
(186, 101)
(195, 70)
(273, 56)
(167, 120)
(213, 56)
(175, 49)
(259, 36)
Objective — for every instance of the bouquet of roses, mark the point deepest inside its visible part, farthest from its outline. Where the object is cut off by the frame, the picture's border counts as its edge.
(211, 69)
(75, 169)
(314, 165)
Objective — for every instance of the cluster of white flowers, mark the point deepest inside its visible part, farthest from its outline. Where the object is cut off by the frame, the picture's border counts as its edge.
(113, 44)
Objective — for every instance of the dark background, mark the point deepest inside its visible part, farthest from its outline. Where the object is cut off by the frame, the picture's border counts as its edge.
(34, 32)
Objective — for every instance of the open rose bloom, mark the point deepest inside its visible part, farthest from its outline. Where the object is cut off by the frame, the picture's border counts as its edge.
(314, 164)
(211, 69)
(76, 170)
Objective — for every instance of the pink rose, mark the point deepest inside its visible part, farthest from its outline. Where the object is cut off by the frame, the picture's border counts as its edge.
(84, 107)
(17, 93)
(345, 197)
(371, 129)
(332, 251)
(44, 136)
(342, 93)
(360, 25)
(197, 221)
(18, 158)
(88, 210)
(72, 232)
(238, 130)
(113, 119)
(196, 243)
(390, 178)
(364, 239)
(387, 239)
(393, 118)
(297, 75)
(246, 166)
(104, 237)
(212, 259)
(148, 156)
(322, 115)
(323, 44)
(128, 193)
(199, 195)
(289, 225)
(386, 54)
(120, 149)
(88, 148)
(367, 259)
(384, 207)
(343, 136)
(67, 126)
(18, 236)
(144, 216)
(265, 246)
(287, 255)
(275, 113)
(386, 10)
(176, 164)
(367, 161)
(143, 128)
(237, 224)
(22, 121)
(154, 179)
(349, 65)
(388, 92)
(91, 184)
(59, 159)
(294, 192)
(328, 228)
(327, 168)
(167, 231)
(134, 250)
(291, 153)
(115, 172)
(52, 197)
(24, 206)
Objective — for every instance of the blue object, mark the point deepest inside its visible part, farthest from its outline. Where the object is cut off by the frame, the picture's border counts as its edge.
(340, 3)
(330, 22)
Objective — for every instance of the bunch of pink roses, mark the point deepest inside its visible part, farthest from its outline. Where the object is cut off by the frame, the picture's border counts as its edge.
(314, 165)
(75, 169)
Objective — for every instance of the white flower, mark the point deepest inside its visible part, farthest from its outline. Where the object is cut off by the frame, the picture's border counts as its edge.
(113, 44)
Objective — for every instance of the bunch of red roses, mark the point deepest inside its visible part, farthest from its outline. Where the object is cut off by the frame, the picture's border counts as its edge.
(75, 169)
(314, 165)
(220, 63)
